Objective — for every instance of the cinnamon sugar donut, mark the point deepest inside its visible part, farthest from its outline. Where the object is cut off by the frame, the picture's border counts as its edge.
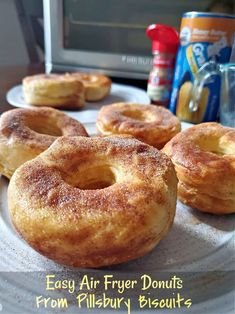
(97, 86)
(53, 90)
(151, 124)
(92, 202)
(204, 159)
(25, 133)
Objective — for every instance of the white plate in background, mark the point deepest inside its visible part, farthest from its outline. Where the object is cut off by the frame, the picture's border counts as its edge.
(88, 114)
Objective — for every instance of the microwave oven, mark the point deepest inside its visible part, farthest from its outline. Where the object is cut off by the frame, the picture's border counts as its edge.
(107, 35)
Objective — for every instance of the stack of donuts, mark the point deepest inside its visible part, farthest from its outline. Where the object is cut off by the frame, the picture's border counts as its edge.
(96, 201)
(67, 91)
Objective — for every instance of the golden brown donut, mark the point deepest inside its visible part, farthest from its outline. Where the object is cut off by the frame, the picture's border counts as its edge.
(91, 202)
(97, 86)
(53, 90)
(25, 133)
(151, 124)
(204, 159)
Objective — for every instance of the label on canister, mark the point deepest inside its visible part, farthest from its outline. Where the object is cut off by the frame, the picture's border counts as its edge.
(203, 37)
(160, 79)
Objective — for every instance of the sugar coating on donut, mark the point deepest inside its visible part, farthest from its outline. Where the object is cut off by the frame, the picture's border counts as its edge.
(151, 124)
(99, 201)
(25, 133)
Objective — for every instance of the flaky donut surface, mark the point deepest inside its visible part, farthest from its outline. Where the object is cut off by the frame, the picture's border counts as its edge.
(53, 90)
(97, 86)
(25, 133)
(151, 124)
(204, 159)
(94, 201)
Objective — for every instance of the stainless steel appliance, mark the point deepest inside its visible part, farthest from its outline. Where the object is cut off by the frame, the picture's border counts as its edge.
(107, 35)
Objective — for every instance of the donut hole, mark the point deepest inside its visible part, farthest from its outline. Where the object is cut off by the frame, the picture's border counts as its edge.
(95, 178)
(42, 127)
(138, 115)
(213, 146)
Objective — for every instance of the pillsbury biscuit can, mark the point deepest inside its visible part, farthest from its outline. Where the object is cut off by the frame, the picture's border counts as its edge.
(203, 37)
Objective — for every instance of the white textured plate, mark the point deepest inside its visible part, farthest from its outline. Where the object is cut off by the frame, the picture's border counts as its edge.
(199, 249)
(88, 114)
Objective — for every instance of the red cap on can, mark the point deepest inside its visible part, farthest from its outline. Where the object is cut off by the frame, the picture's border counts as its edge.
(164, 38)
